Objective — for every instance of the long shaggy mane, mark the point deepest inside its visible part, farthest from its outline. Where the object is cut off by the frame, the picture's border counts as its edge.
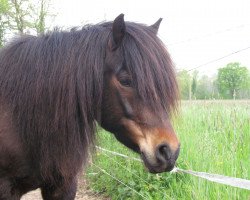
(53, 86)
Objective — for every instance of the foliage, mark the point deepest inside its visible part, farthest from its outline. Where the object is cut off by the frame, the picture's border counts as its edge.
(232, 79)
(41, 11)
(195, 87)
(19, 15)
(184, 79)
(4, 7)
(215, 139)
(206, 88)
(194, 83)
(23, 16)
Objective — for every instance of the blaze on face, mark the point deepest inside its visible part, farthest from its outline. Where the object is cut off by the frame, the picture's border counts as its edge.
(135, 124)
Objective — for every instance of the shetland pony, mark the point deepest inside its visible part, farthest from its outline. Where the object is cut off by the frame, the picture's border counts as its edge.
(55, 88)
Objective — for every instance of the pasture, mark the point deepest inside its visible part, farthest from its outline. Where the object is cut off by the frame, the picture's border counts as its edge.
(215, 138)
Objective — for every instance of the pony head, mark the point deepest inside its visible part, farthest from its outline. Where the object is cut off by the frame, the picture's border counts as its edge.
(140, 93)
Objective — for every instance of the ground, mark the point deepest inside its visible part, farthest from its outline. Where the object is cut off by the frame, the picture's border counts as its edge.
(83, 193)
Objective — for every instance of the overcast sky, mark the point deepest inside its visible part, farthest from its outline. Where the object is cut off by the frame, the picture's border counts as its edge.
(194, 31)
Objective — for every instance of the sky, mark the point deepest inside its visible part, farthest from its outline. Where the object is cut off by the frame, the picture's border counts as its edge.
(195, 32)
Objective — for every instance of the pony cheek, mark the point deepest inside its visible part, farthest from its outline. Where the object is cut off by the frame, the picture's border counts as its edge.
(122, 138)
(121, 135)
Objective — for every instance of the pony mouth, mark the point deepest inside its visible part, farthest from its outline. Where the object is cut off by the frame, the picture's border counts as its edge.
(157, 167)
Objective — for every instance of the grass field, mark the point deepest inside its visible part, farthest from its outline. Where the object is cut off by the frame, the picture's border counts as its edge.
(215, 138)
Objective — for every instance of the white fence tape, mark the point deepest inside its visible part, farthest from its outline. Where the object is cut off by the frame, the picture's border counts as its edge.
(226, 180)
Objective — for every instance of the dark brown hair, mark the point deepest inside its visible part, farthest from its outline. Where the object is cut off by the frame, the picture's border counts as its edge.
(53, 86)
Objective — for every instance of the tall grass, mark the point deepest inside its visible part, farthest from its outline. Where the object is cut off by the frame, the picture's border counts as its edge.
(215, 138)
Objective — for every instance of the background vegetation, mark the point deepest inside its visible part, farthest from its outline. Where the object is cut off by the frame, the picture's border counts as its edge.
(23, 17)
(214, 138)
(230, 82)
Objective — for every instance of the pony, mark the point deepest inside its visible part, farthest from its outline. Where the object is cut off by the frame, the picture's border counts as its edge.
(57, 87)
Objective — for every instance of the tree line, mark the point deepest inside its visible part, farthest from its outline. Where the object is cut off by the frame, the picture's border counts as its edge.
(230, 82)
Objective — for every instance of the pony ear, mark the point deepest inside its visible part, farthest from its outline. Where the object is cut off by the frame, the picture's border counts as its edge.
(156, 25)
(118, 32)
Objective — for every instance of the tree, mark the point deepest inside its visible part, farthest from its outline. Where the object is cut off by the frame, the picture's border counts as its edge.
(19, 15)
(194, 83)
(231, 79)
(43, 11)
(206, 88)
(23, 16)
(40, 22)
(184, 81)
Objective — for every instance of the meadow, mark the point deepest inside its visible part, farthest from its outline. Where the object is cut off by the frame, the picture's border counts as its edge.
(215, 138)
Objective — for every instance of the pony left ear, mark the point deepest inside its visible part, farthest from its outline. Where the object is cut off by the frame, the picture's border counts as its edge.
(156, 25)
(118, 31)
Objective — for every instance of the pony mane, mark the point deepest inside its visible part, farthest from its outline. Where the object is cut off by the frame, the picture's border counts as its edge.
(53, 86)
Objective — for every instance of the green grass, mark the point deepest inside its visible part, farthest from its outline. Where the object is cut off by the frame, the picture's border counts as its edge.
(215, 138)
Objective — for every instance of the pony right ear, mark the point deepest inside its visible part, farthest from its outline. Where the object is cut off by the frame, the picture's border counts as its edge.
(156, 25)
(118, 32)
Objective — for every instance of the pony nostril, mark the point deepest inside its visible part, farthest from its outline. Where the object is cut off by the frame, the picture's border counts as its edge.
(164, 151)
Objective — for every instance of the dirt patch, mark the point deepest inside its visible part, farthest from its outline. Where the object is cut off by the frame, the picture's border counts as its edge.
(83, 193)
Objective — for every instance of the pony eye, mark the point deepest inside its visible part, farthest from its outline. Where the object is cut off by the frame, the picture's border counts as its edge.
(126, 82)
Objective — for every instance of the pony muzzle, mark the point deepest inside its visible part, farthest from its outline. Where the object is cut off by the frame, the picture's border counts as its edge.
(163, 160)
(160, 157)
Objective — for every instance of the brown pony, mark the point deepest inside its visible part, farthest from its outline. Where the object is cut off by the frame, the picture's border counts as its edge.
(55, 87)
